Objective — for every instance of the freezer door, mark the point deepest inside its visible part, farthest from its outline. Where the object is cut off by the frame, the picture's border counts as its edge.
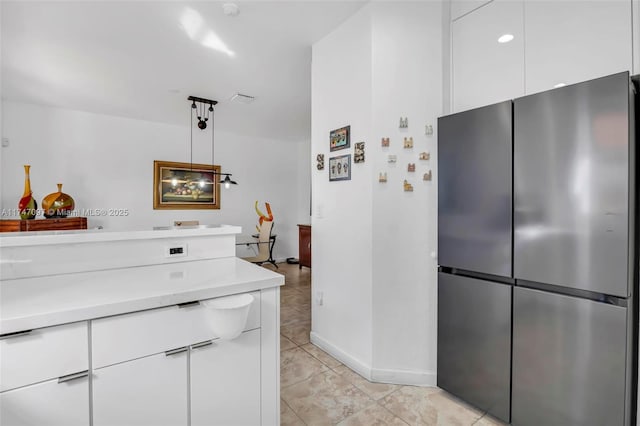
(571, 178)
(474, 341)
(568, 360)
(475, 190)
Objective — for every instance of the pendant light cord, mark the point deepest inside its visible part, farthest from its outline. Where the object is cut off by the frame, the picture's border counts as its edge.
(213, 165)
(191, 145)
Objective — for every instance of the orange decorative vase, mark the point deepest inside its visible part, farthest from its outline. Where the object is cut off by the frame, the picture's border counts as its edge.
(57, 204)
(27, 204)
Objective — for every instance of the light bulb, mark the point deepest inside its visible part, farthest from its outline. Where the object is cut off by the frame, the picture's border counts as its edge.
(227, 185)
(174, 182)
(201, 183)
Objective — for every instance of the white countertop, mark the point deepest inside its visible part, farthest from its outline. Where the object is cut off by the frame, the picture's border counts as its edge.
(30, 303)
(17, 239)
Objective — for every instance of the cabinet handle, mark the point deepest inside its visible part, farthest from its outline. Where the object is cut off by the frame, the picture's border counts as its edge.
(202, 344)
(15, 334)
(74, 376)
(176, 351)
(188, 304)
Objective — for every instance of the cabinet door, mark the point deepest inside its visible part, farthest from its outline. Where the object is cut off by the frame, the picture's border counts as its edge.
(484, 70)
(305, 246)
(146, 391)
(43, 354)
(573, 41)
(47, 403)
(225, 382)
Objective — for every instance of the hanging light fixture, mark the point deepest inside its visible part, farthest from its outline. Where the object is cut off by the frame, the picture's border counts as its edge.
(203, 115)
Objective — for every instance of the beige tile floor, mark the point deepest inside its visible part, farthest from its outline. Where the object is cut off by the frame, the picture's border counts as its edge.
(316, 389)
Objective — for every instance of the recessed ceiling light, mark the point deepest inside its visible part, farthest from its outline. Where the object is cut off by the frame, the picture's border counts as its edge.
(243, 99)
(505, 38)
(559, 85)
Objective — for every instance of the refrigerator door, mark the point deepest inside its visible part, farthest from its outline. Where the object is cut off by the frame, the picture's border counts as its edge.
(475, 190)
(474, 341)
(571, 186)
(568, 360)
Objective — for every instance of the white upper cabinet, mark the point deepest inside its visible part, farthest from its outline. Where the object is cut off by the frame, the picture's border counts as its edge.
(460, 7)
(486, 71)
(572, 41)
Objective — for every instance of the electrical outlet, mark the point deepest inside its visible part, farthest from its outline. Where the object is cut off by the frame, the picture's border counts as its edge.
(5, 142)
(178, 250)
(319, 298)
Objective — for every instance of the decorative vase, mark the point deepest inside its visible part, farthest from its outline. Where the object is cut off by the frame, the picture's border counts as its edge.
(27, 204)
(57, 204)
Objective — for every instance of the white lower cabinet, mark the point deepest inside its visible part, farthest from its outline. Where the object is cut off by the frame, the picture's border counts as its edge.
(48, 403)
(137, 376)
(146, 391)
(225, 382)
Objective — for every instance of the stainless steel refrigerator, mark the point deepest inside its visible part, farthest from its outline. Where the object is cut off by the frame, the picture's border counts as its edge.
(475, 256)
(537, 247)
(575, 241)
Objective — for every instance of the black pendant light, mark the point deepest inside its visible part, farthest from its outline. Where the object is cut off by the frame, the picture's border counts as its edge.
(203, 116)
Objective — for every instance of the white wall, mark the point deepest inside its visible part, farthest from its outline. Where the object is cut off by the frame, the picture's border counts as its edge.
(635, 17)
(372, 241)
(107, 162)
(407, 81)
(342, 232)
(555, 42)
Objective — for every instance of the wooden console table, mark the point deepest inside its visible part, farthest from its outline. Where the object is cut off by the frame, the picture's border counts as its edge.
(58, 224)
(304, 245)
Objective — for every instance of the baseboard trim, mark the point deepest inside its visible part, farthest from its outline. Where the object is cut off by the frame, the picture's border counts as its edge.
(353, 363)
(404, 377)
(396, 377)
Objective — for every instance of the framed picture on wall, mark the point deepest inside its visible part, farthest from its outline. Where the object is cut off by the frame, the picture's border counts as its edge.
(185, 186)
(340, 138)
(340, 168)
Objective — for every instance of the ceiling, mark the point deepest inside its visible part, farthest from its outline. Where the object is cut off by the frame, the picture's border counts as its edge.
(141, 59)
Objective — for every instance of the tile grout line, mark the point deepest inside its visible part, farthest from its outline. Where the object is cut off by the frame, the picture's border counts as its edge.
(392, 413)
(293, 411)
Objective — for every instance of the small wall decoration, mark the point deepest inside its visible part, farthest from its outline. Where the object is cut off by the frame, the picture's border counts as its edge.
(340, 168)
(427, 176)
(340, 138)
(385, 142)
(320, 159)
(404, 123)
(382, 177)
(408, 142)
(392, 158)
(358, 153)
(185, 186)
(407, 186)
(428, 130)
(411, 167)
(425, 156)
